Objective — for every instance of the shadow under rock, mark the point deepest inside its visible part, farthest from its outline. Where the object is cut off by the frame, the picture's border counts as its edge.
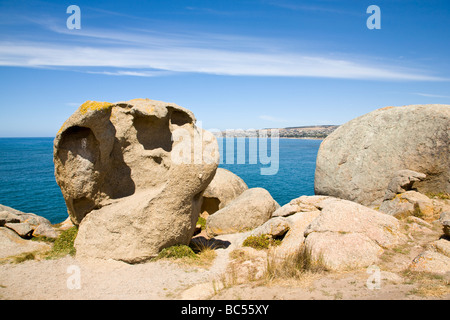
(200, 242)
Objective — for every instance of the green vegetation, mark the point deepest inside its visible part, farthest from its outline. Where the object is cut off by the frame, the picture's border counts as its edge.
(24, 257)
(64, 244)
(202, 221)
(438, 195)
(261, 242)
(202, 257)
(177, 252)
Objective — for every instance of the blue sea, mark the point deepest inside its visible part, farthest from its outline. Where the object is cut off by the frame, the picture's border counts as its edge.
(27, 181)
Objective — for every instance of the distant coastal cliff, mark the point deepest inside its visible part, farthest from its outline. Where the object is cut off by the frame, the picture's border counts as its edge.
(309, 132)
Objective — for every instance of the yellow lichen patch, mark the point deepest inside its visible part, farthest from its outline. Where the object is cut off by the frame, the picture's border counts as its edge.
(94, 106)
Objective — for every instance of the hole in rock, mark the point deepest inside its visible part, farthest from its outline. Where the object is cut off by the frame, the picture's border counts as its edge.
(80, 141)
(153, 133)
(180, 118)
(210, 205)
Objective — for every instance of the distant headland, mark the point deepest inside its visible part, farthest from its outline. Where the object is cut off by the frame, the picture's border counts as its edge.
(301, 132)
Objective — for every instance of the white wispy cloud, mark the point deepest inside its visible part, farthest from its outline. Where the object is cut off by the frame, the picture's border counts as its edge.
(272, 119)
(144, 53)
(428, 95)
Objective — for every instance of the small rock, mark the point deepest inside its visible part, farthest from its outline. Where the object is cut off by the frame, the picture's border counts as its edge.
(8, 217)
(441, 246)
(445, 221)
(402, 181)
(45, 230)
(11, 244)
(409, 203)
(301, 204)
(275, 227)
(33, 219)
(22, 229)
(66, 224)
(431, 261)
(248, 211)
(419, 221)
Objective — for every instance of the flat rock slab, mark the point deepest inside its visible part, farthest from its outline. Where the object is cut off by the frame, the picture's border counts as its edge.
(11, 244)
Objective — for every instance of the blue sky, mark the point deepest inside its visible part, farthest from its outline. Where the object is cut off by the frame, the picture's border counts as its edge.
(235, 64)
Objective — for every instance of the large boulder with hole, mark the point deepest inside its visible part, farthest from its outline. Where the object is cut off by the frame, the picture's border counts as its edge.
(224, 188)
(359, 159)
(250, 210)
(132, 174)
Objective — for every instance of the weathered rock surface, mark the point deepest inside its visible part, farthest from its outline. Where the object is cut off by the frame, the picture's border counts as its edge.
(402, 181)
(26, 224)
(409, 203)
(8, 217)
(248, 211)
(344, 216)
(275, 227)
(356, 162)
(11, 244)
(22, 229)
(338, 233)
(301, 204)
(295, 237)
(431, 261)
(342, 251)
(224, 188)
(346, 235)
(132, 175)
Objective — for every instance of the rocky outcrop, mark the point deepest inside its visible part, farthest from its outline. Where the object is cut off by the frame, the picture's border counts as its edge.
(248, 211)
(11, 244)
(224, 188)
(16, 230)
(347, 235)
(402, 181)
(358, 160)
(435, 258)
(26, 225)
(132, 175)
(409, 203)
(340, 234)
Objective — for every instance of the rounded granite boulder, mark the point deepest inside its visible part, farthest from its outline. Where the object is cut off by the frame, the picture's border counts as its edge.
(359, 159)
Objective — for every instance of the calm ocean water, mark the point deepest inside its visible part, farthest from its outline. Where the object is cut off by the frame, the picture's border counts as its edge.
(27, 181)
